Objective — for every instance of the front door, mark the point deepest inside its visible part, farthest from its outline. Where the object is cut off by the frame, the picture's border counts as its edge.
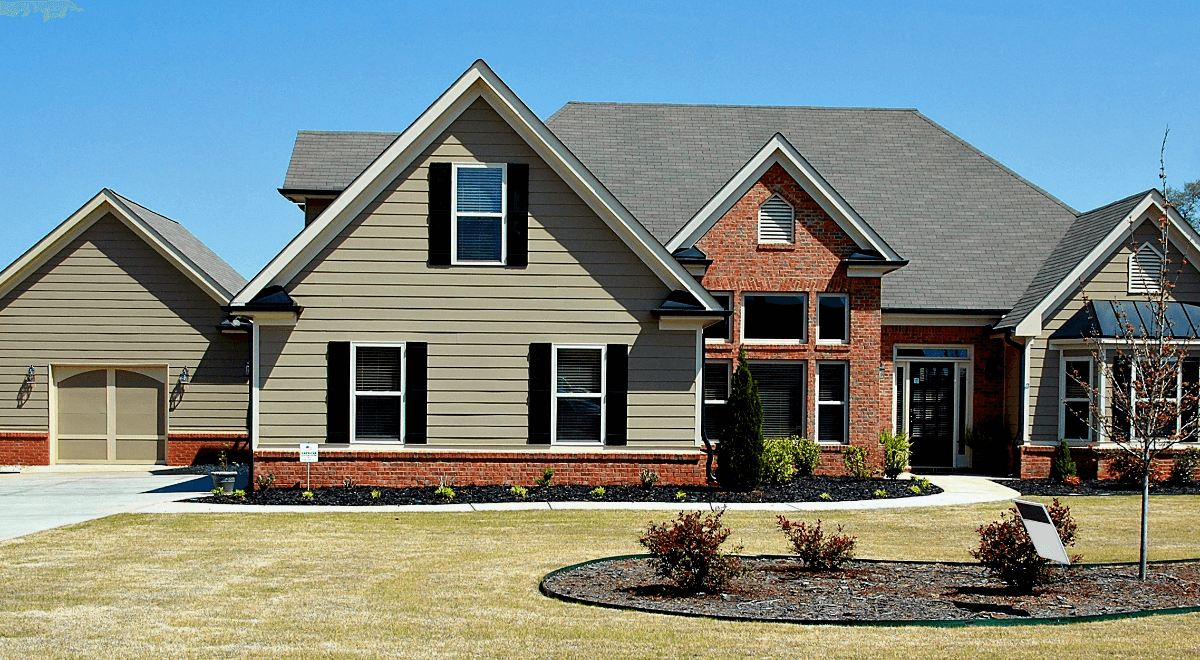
(931, 413)
(110, 414)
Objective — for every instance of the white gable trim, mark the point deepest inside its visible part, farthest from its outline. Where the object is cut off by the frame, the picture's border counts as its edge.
(478, 82)
(70, 229)
(779, 150)
(1032, 324)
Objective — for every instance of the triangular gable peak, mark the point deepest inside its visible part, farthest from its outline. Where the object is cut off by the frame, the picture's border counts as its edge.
(105, 202)
(479, 81)
(778, 151)
(1181, 235)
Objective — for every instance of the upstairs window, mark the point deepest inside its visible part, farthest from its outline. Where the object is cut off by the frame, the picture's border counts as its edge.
(833, 318)
(774, 318)
(776, 221)
(477, 219)
(1145, 270)
(720, 331)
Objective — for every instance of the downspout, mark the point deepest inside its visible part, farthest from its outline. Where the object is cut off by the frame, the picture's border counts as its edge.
(1022, 434)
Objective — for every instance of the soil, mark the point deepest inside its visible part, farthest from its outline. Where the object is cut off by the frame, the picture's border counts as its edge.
(1055, 488)
(781, 589)
(801, 489)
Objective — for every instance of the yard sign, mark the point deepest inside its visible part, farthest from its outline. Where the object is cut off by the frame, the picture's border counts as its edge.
(1042, 531)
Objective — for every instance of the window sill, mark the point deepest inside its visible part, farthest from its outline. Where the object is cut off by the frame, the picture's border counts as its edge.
(775, 342)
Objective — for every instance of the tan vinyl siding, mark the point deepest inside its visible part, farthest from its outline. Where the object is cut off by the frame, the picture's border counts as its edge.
(1109, 282)
(108, 297)
(582, 285)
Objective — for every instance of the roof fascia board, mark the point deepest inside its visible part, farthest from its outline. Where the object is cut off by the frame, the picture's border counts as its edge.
(779, 150)
(478, 81)
(1031, 325)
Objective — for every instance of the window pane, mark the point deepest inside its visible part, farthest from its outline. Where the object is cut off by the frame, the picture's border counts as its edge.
(1191, 376)
(781, 390)
(831, 318)
(579, 370)
(719, 330)
(378, 368)
(774, 317)
(900, 402)
(480, 190)
(479, 239)
(716, 381)
(1075, 415)
(831, 426)
(832, 382)
(579, 420)
(1078, 377)
(714, 419)
(377, 418)
(932, 352)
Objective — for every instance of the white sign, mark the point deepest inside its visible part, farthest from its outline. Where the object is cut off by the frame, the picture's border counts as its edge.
(308, 452)
(1042, 531)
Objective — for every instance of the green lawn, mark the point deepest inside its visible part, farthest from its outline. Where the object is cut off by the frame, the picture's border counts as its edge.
(465, 585)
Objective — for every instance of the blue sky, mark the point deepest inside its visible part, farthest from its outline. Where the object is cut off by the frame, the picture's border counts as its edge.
(191, 108)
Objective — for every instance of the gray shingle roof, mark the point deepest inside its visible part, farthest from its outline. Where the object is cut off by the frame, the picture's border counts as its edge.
(1084, 235)
(329, 160)
(189, 247)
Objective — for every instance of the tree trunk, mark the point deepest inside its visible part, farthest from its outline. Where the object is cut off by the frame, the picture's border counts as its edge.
(1145, 520)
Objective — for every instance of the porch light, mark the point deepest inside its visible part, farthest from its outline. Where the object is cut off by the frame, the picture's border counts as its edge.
(30, 375)
(183, 376)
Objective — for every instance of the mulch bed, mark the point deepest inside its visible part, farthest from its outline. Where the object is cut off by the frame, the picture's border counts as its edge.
(1055, 488)
(803, 489)
(781, 589)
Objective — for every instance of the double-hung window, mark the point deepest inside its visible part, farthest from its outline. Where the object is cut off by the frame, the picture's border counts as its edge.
(832, 402)
(1179, 408)
(774, 318)
(833, 318)
(782, 392)
(1076, 399)
(716, 395)
(377, 390)
(578, 374)
(719, 332)
(477, 214)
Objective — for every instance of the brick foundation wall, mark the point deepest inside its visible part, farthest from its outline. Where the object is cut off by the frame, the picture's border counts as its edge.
(461, 468)
(203, 448)
(24, 448)
(1090, 463)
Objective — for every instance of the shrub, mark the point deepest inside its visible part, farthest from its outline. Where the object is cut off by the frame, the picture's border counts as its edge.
(376, 493)
(914, 489)
(680, 495)
(1126, 467)
(897, 449)
(687, 551)
(518, 492)
(445, 492)
(348, 482)
(808, 456)
(1007, 553)
(739, 454)
(544, 480)
(648, 478)
(779, 460)
(924, 483)
(826, 497)
(855, 459)
(597, 492)
(1183, 470)
(879, 493)
(218, 491)
(240, 494)
(1062, 466)
(1072, 481)
(264, 481)
(814, 548)
(308, 494)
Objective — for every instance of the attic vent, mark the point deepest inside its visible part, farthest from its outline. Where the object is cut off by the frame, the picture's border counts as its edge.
(1145, 269)
(776, 221)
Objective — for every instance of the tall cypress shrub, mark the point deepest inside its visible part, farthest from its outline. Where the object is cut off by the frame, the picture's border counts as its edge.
(740, 452)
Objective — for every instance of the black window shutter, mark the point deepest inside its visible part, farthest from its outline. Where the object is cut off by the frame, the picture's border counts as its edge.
(337, 392)
(617, 396)
(416, 404)
(518, 215)
(439, 214)
(540, 395)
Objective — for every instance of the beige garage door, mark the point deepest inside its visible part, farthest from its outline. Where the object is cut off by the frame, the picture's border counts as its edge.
(111, 414)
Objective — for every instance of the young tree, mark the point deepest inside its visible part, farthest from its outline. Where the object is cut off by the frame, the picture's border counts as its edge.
(739, 454)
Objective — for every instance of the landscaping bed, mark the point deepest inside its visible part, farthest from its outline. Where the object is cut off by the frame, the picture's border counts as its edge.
(801, 489)
(782, 589)
(1056, 488)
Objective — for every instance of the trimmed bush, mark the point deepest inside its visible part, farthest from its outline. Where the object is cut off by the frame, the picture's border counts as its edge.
(808, 456)
(818, 551)
(779, 460)
(739, 454)
(897, 449)
(1183, 470)
(855, 460)
(1007, 553)
(1062, 465)
(687, 551)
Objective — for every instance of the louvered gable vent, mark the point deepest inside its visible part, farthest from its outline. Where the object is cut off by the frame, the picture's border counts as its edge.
(776, 221)
(1145, 267)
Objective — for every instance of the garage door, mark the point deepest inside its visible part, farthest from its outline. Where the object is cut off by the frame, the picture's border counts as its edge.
(111, 414)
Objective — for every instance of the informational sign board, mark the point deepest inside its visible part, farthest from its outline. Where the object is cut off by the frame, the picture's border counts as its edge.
(1042, 531)
(308, 452)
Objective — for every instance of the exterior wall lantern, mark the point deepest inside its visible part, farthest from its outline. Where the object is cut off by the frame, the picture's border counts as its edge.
(30, 375)
(183, 377)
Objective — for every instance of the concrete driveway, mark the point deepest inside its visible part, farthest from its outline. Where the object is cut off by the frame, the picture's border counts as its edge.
(45, 498)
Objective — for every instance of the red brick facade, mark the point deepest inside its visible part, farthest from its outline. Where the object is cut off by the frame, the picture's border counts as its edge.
(24, 448)
(464, 468)
(1090, 462)
(203, 448)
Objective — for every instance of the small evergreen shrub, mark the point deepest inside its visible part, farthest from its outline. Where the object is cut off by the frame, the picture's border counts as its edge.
(547, 476)
(445, 492)
(687, 551)
(519, 492)
(897, 449)
(855, 460)
(779, 460)
(1007, 553)
(808, 456)
(1183, 470)
(740, 452)
(818, 551)
(597, 492)
(648, 478)
(1062, 466)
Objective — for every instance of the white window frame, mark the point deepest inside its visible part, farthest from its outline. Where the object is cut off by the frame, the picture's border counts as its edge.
(1063, 378)
(1133, 394)
(729, 325)
(845, 311)
(555, 394)
(503, 215)
(791, 227)
(354, 392)
(844, 402)
(1133, 260)
(806, 368)
(904, 392)
(777, 342)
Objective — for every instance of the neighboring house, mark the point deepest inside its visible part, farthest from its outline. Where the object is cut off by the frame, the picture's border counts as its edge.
(99, 322)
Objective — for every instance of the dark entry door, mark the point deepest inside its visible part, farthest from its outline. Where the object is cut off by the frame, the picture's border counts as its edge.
(931, 413)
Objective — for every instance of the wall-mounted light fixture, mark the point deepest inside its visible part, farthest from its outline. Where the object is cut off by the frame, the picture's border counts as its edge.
(30, 375)
(183, 376)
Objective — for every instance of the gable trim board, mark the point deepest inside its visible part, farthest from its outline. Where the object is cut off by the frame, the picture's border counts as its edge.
(779, 150)
(104, 202)
(479, 81)
(1033, 323)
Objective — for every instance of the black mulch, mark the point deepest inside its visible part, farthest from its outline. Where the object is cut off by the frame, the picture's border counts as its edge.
(240, 468)
(782, 589)
(803, 489)
(1055, 488)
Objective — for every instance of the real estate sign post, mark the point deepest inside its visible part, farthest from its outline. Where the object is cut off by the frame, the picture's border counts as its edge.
(1042, 531)
(308, 456)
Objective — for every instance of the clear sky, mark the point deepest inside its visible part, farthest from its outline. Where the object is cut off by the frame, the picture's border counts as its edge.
(191, 108)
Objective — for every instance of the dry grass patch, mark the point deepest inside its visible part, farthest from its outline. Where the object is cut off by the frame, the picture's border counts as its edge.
(451, 585)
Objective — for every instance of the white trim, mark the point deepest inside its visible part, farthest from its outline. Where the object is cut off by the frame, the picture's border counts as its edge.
(255, 385)
(1032, 324)
(789, 228)
(871, 270)
(477, 82)
(699, 385)
(1026, 412)
(355, 393)
(503, 215)
(1063, 358)
(913, 318)
(555, 394)
(845, 318)
(777, 341)
(80, 221)
(844, 401)
(961, 422)
(779, 150)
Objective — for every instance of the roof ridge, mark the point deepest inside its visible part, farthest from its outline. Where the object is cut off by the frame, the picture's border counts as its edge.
(1119, 201)
(143, 207)
(313, 130)
(734, 105)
